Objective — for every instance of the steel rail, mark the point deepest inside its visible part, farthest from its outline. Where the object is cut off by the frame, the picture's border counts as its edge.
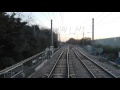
(84, 65)
(55, 64)
(68, 68)
(97, 64)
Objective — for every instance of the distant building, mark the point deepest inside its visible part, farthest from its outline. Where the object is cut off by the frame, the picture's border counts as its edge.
(114, 41)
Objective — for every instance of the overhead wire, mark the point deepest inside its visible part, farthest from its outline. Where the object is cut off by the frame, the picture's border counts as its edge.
(56, 19)
(61, 19)
(99, 15)
(86, 18)
(110, 21)
(45, 16)
(90, 20)
(39, 20)
(99, 20)
(104, 17)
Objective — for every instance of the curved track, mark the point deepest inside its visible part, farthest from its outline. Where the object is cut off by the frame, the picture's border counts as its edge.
(61, 68)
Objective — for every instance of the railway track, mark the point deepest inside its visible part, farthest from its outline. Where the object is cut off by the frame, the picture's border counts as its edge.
(94, 69)
(72, 63)
(62, 67)
(79, 69)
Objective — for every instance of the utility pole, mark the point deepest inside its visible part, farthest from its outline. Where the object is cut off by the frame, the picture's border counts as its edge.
(51, 35)
(34, 31)
(59, 36)
(59, 39)
(83, 37)
(92, 32)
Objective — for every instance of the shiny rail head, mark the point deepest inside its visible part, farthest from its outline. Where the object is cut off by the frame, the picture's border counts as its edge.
(85, 65)
(50, 74)
(114, 76)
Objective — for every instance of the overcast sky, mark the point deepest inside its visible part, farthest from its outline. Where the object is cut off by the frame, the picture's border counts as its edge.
(72, 24)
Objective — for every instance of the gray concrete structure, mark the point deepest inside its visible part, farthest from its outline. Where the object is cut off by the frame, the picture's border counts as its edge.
(115, 41)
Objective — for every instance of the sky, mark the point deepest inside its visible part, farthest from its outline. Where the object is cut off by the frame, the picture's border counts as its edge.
(73, 24)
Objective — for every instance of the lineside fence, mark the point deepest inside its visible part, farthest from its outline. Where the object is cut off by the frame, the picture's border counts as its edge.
(26, 67)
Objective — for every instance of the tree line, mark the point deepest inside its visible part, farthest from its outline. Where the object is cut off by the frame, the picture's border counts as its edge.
(87, 41)
(18, 40)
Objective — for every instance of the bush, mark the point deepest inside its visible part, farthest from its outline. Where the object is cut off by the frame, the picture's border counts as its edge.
(19, 41)
(112, 52)
(6, 62)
